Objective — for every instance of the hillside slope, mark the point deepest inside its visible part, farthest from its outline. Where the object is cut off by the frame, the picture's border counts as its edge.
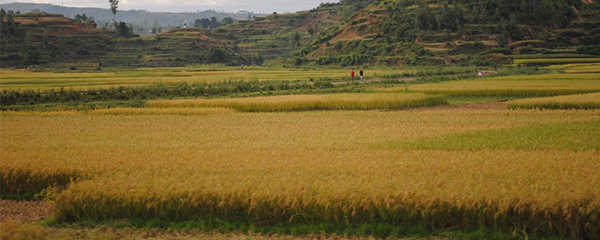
(278, 35)
(397, 32)
(51, 40)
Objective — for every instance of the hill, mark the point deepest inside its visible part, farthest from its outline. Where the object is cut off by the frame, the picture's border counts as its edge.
(278, 35)
(51, 40)
(142, 20)
(397, 32)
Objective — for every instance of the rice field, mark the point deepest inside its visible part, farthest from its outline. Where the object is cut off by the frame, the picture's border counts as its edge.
(344, 159)
(556, 60)
(341, 167)
(579, 101)
(22, 80)
(365, 101)
(517, 86)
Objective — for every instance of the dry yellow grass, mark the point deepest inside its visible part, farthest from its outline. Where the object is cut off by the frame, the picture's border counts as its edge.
(579, 101)
(306, 167)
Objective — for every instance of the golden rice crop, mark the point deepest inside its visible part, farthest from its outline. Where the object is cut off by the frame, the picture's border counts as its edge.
(530, 85)
(579, 101)
(21, 80)
(308, 167)
(309, 102)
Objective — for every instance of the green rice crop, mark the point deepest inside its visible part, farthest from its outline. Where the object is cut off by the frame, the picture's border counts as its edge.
(519, 86)
(556, 60)
(574, 136)
(579, 101)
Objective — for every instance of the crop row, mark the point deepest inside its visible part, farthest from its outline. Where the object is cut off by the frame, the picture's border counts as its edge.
(309, 102)
(579, 101)
(523, 86)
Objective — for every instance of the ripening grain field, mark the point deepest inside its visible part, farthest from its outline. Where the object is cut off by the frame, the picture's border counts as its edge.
(518, 86)
(512, 170)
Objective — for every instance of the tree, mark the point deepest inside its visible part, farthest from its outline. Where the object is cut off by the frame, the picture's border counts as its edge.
(214, 23)
(123, 30)
(114, 4)
(311, 31)
(61, 42)
(218, 55)
(204, 23)
(227, 21)
(296, 39)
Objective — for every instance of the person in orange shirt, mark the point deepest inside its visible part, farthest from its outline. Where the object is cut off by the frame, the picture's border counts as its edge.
(352, 74)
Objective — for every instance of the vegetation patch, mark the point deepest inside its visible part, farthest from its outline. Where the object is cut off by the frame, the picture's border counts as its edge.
(580, 101)
(310, 102)
(575, 136)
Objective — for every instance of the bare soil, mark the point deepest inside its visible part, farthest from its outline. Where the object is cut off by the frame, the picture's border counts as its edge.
(24, 211)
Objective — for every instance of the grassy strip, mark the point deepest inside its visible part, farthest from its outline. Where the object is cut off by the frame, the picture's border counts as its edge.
(580, 101)
(322, 230)
(556, 60)
(365, 101)
(575, 136)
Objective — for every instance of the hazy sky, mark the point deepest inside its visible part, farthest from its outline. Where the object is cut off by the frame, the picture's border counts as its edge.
(258, 6)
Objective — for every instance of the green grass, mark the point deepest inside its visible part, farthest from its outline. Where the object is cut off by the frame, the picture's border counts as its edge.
(574, 136)
(268, 228)
(557, 60)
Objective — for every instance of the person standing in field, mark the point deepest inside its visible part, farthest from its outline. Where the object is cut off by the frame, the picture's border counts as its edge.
(352, 74)
(361, 75)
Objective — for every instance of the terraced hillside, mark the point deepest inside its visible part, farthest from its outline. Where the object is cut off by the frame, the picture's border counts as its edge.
(278, 35)
(397, 32)
(53, 41)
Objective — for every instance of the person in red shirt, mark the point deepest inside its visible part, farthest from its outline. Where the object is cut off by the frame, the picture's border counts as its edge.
(352, 74)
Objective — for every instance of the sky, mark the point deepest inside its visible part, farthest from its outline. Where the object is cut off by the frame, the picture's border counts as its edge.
(257, 6)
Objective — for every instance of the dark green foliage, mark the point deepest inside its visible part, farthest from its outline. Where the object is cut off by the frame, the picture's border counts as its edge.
(505, 51)
(572, 33)
(133, 95)
(527, 50)
(345, 60)
(114, 4)
(123, 30)
(219, 55)
(591, 49)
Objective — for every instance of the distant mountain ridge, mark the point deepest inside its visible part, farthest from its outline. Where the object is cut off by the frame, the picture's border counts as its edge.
(131, 16)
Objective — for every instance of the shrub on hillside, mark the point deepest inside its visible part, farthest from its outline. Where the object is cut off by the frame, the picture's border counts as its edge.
(505, 51)
(572, 33)
(591, 49)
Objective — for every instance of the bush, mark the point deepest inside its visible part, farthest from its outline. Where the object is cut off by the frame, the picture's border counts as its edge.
(505, 51)
(527, 50)
(591, 49)
(572, 33)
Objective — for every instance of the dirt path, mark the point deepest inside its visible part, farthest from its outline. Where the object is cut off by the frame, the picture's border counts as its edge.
(24, 211)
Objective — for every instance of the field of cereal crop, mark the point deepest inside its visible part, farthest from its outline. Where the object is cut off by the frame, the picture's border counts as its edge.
(524, 172)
